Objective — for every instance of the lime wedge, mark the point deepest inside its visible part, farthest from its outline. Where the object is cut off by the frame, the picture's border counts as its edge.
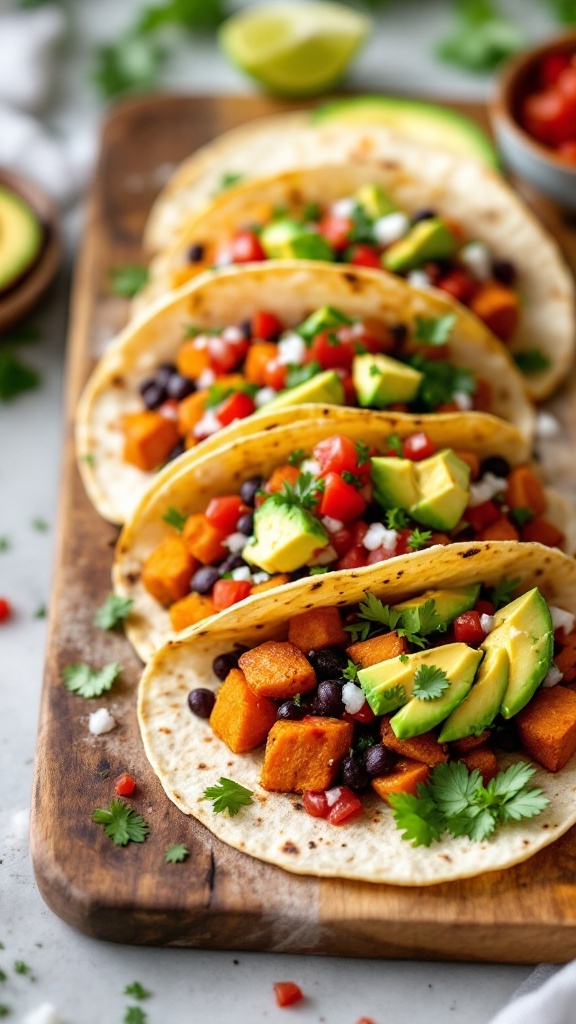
(294, 49)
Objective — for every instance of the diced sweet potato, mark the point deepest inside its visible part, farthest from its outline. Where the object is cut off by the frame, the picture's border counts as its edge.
(525, 490)
(547, 727)
(305, 755)
(192, 361)
(461, 747)
(498, 307)
(167, 571)
(275, 581)
(190, 610)
(424, 748)
(260, 354)
(203, 540)
(404, 779)
(280, 476)
(544, 532)
(502, 529)
(149, 438)
(483, 395)
(277, 669)
(379, 648)
(471, 459)
(191, 411)
(240, 718)
(565, 661)
(317, 628)
(484, 759)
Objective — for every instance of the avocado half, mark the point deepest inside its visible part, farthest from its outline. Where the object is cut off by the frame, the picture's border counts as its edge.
(427, 123)
(20, 237)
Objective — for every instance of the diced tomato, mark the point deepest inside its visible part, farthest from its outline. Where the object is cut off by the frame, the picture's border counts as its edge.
(336, 230)
(315, 804)
(341, 500)
(347, 806)
(550, 117)
(568, 151)
(246, 248)
(459, 284)
(467, 629)
(355, 558)
(365, 715)
(350, 396)
(225, 355)
(380, 555)
(275, 375)
(169, 409)
(402, 542)
(417, 447)
(481, 516)
(124, 785)
(225, 593)
(223, 512)
(236, 407)
(552, 67)
(359, 531)
(265, 326)
(362, 255)
(287, 992)
(567, 83)
(5, 609)
(341, 541)
(331, 353)
(336, 454)
(484, 607)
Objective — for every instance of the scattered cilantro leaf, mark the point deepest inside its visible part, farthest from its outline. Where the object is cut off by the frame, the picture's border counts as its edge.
(22, 968)
(88, 682)
(192, 15)
(175, 518)
(311, 212)
(3, 975)
(228, 795)
(441, 381)
(454, 787)
(40, 525)
(403, 658)
(418, 538)
(362, 453)
(128, 280)
(394, 443)
(362, 229)
(395, 693)
(4, 1010)
(40, 612)
(176, 853)
(318, 570)
(429, 682)
(135, 1015)
(419, 621)
(137, 991)
(296, 375)
(305, 492)
(113, 611)
(121, 823)
(4, 544)
(297, 699)
(434, 330)
(363, 743)
(296, 457)
(531, 360)
(521, 516)
(89, 459)
(502, 593)
(15, 377)
(375, 371)
(396, 518)
(132, 63)
(373, 610)
(227, 180)
(352, 479)
(417, 817)
(218, 393)
(351, 671)
(564, 10)
(482, 39)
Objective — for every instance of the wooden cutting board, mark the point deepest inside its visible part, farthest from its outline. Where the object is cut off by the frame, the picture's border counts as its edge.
(219, 898)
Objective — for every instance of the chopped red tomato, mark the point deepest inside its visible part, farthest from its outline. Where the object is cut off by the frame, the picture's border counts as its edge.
(287, 992)
(265, 326)
(484, 607)
(341, 541)
(275, 375)
(402, 547)
(236, 407)
(552, 67)
(359, 531)
(417, 447)
(365, 715)
(568, 151)
(225, 355)
(229, 592)
(347, 806)
(341, 500)
(467, 629)
(124, 785)
(458, 284)
(336, 230)
(223, 512)
(380, 555)
(355, 558)
(315, 804)
(246, 248)
(336, 454)
(5, 609)
(481, 516)
(331, 353)
(550, 117)
(362, 255)
(567, 83)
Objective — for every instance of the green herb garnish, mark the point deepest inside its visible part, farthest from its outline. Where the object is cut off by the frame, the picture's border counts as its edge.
(137, 991)
(482, 39)
(531, 360)
(396, 518)
(89, 682)
(128, 280)
(296, 375)
(502, 593)
(228, 795)
(429, 682)
(228, 180)
(362, 453)
(351, 671)
(135, 1015)
(418, 539)
(434, 330)
(15, 377)
(521, 515)
(441, 381)
(122, 824)
(176, 853)
(394, 444)
(296, 457)
(114, 610)
(305, 492)
(40, 525)
(175, 518)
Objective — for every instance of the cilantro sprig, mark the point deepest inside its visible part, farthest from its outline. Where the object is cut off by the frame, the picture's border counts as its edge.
(418, 539)
(227, 795)
(175, 518)
(434, 330)
(126, 281)
(305, 492)
(415, 623)
(137, 991)
(396, 518)
(531, 360)
(113, 611)
(121, 823)
(502, 593)
(176, 853)
(429, 682)
(441, 381)
(89, 682)
(16, 377)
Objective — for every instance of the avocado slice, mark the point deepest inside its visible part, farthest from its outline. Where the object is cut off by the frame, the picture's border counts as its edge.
(380, 381)
(434, 491)
(388, 685)
(374, 201)
(417, 716)
(481, 705)
(448, 604)
(524, 628)
(427, 240)
(20, 237)
(288, 239)
(325, 319)
(324, 387)
(285, 536)
(423, 122)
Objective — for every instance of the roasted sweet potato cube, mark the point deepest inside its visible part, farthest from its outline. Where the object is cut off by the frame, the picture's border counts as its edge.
(190, 360)
(203, 540)
(277, 669)
(404, 779)
(240, 718)
(471, 459)
(149, 438)
(316, 628)
(167, 571)
(424, 748)
(275, 581)
(547, 727)
(484, 759)
(379, 648)
(190, 610)
(460, 747)
(191, 411)
(305, 755)
(565, 660)
(498, 307)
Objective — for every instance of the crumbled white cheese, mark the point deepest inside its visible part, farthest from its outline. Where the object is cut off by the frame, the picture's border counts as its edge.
(233, 335)
(200, 341)
(263, 396)
(260, 577)
(223, 258)
(475, 256)
(209, 424)
(418, 279)
(291, 350)
(391, 228)
(517, 632)
(327, 555)
(487, 622)
(463, 400)
(332, 795)
(486, 488)
(353, 697)
(332, 525)
(310, 466)
(547, 426)
(242, 573)
(377, 536)
(43, 1014)
(343, 207)
(553, 677)
(235, 542)
(561, 619)
(206, 378)
(101, 721)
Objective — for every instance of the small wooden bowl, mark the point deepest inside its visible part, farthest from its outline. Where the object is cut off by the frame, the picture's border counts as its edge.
(17, 301)
(523, 154)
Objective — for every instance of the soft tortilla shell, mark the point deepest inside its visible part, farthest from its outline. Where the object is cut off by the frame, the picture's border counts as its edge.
(292, 290)
(188, 757)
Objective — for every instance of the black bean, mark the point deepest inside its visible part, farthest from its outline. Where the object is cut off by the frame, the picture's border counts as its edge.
(153, 395)
(231, 562)
(399, 333)
(423, 214)
(496, 465)
(378, 760)
(224, 664)
(163, 374)
(354, 774)
(290, 711)
(201, 702)
(246, 328)
(328, 663)
(204, 579)
(177, 450)
(249, 488)
(180, 387)
(245, 524)
(504, 271)
(195, 252)
(328, 701)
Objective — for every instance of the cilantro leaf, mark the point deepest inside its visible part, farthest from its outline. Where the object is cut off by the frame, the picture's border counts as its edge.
(564, 10)
(453, 787)
(40, 525)
(434, 330)
(351, 671)
(135, 1015)
(88, 682)
(521, 515)
(15, 377)
(417, 817)
(510, 782)
(531, 360)
(296, 457)
(526, 803)
(396, 518)
(175, 518)
(483, 38)
(218, 393)
(89, 459)
(419, 621)
(429, 682)
(501, 594)
(373, 610)
(363, 743)
(121, 823)
(305, 492)
(176, 853)
(296, 375)
(441, 381)
(4, 1010)
(476, 823)
(228, 795)
(128, 280)
(40, 612)
(418, 538)
(395, 693)
(22, 968)
(227, 180)
(352, 479)
(4, 544)
(114, 610)
(137, 991)
(362, 229)
(318, 570)
(362, 453)
(394, 443)
(192, 15)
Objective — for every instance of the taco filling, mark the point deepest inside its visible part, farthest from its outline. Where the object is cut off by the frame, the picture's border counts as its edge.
(223, 376)
(340, 505)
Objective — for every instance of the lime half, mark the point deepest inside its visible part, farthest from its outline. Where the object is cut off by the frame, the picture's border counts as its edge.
(294, 49)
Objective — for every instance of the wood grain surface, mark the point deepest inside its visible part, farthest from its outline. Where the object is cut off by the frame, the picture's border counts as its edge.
(219, 898)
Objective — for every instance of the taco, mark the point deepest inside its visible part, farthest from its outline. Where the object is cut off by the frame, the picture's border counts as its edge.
(268, 338)
(376, 216)
(336, 495)
(427, 709)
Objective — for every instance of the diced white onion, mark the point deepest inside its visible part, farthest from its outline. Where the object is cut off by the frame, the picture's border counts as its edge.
(263, 396)
(200, 342)
(487, 622)
(233, 335)
(475, 256)
(547, 426)
(377, 536)
(291, 350)
(206, 378)
(260, 577)
(209, 424)
(463, 400)
(561, 619)
(242, 573)
(310, 466)
(553, 677)
(332, 525)
(353, 697)
(418, 279)
(343, 207)
(101, 721)
(391, 228)
(486, 488)
(332, 795)
(327, 555)
(223, 258)
(235, 542)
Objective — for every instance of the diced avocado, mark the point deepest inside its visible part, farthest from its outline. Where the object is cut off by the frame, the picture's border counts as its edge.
(374, 201)
(20, 237)
(325, 388)
(425, 123)
(324, 319)
(448, 604)
(380, 381)
(481, 705)
(285, 536)
(394, 482)
(427, 240)
(524, 628)
(288, 239)
(417, 716)
(434, 491)
(388, 685)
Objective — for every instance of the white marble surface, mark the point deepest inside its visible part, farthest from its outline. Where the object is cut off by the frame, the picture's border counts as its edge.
(82, 978)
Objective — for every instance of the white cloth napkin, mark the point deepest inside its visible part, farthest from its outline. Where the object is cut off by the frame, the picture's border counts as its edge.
(548, 996)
